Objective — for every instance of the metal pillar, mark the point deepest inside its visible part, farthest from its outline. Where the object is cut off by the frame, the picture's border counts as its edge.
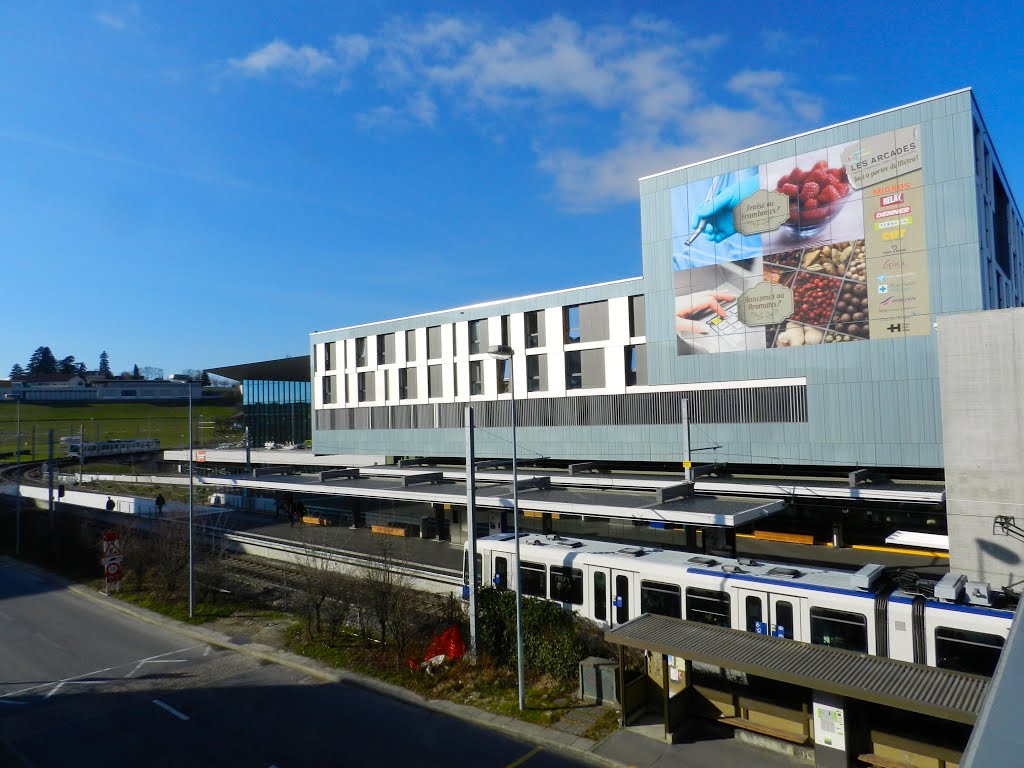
(471, 522)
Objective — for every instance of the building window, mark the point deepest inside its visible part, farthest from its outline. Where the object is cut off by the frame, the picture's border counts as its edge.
(504, 376)
(327, 389)
(387, 385)
(433, 342)
(636, 365)
(365, 382)
(410, 346)
(455, 381)
(477, 336)
(637, 319)
(434, 379)
(476, 377)
(330, 355)
(385, 348)
(572, 324)
(534, 329)
(584, 369)
(504, 330)
(361, 352)
(536, 373)
(406, 383)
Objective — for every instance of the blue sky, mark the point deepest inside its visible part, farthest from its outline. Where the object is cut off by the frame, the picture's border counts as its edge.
(193, 184)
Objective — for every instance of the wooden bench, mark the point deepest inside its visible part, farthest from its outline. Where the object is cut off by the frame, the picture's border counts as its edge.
(310, 520)
(788, 538)
(389, 530)
(766, 730)
(883, 762)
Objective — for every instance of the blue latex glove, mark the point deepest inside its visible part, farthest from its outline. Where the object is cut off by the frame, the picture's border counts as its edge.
(718, 213)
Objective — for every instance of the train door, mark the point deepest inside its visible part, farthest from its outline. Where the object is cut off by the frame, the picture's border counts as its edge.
(611, 595)
(499, 570)
(767, 613)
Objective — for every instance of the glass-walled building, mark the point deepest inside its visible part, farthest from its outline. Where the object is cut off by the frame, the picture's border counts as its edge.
(275, 399)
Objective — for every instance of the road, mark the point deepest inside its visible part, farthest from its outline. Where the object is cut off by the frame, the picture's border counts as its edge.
(84, 685)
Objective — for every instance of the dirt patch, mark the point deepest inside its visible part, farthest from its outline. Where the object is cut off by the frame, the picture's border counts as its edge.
(253, 628)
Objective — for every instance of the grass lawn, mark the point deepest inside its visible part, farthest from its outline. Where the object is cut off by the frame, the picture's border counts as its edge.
(109, 421)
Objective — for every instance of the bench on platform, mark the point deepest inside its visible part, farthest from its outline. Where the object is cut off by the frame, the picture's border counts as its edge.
(788, 538)
(766, 730)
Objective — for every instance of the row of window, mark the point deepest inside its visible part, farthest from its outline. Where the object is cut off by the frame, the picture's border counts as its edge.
(580, 323)
(747, 405)
(958, 649)
(584, 369)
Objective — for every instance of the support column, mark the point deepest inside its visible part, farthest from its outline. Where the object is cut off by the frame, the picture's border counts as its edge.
(831, 737)
(665, 696)
(358, 516)
(439, 520)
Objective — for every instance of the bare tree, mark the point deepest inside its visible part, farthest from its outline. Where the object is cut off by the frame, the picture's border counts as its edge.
(325, 591)
(389, 597)
(170, 538)
(138, 549)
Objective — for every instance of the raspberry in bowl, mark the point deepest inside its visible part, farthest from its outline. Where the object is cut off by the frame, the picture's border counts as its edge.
(815, 197)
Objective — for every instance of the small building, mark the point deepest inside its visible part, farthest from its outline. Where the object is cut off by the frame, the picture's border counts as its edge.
(97, 387)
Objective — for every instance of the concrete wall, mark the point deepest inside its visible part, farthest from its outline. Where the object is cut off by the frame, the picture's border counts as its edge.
(981, 371)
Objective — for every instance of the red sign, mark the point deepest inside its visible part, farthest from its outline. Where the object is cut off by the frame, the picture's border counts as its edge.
(200, 455)
(113, 571)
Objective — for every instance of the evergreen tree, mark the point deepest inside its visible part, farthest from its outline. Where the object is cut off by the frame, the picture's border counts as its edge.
(135, 372)
(104, 363)
(205, 379)
(42, 362)
(67, 365)
(81, 369)
(17, 372)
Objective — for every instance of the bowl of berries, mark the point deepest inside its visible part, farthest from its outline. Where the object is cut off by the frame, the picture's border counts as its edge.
(815, 197)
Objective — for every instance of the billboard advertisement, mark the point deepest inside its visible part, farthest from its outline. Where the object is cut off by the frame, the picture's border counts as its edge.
(822, 248)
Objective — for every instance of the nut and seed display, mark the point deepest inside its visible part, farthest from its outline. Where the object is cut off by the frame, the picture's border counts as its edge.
(830, 297)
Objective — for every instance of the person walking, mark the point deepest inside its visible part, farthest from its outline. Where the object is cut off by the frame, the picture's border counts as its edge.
(110, 504)
(160, 501)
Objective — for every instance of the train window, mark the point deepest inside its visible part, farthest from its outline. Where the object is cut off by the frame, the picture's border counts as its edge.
(784, 617)
(532, 575)
(839, 629)
(965, 651)
(600, 596)
(755, 615)
(566, 584)
(622, 599)
(501, 572)
(708, 606)
(662, 599)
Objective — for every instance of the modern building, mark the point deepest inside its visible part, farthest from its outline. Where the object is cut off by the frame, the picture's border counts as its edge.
(790, 295)
(275, 399)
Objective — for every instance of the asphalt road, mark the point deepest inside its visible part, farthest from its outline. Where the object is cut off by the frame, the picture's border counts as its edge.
(83, 685)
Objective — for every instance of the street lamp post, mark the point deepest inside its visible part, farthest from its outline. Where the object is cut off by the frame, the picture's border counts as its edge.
(191, 572)
(505, 352)
(17, 457)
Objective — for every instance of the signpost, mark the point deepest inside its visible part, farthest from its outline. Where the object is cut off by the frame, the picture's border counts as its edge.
(111, 560)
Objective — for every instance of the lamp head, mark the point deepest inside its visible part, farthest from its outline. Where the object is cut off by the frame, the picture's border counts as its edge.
(501, 351)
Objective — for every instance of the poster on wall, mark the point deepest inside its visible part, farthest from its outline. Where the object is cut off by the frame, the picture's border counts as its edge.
(826, 247)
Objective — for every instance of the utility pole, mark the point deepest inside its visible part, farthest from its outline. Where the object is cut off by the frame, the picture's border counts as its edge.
(471, 523)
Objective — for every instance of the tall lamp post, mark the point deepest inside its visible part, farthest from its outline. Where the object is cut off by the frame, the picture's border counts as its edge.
(505, 352)
(191, 571)
(17, 457)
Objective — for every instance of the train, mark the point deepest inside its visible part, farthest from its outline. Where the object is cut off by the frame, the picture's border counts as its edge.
(113, 448)
(950, 623)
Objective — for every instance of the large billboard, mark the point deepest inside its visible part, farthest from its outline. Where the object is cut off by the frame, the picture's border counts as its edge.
(822, 248)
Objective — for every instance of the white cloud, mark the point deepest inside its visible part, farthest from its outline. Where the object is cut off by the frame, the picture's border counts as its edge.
(278, 56)
(110, 20)
(600, 104)
(119, 21)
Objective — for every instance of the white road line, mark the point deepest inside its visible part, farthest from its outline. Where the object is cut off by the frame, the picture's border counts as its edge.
(172, 710)
(62, 683)
(156, 661)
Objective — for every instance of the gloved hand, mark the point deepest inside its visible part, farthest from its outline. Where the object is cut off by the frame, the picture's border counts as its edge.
(717, 214)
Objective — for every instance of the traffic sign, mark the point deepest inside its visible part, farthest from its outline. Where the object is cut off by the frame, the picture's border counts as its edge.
(113, 571)
(108, 560)
(111, 544)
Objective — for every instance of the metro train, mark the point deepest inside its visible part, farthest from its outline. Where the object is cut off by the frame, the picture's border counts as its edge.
(951, 623)
(113, 448)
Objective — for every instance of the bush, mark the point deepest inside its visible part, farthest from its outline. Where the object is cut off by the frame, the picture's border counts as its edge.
(552, 643)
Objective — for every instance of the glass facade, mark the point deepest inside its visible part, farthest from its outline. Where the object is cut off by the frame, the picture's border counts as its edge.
(277, 411)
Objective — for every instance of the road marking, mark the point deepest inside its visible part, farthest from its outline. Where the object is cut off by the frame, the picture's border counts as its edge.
(156, 660)
(62, 683)
(11, 701)
(172, 710)
(524, 758)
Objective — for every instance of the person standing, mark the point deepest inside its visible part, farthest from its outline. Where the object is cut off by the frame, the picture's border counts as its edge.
(110, 504)
(160, 501)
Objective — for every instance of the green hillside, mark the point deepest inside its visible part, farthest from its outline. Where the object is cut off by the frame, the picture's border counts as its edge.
(214, 424)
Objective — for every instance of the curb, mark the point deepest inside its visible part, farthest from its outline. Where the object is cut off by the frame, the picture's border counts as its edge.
(559, 741)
